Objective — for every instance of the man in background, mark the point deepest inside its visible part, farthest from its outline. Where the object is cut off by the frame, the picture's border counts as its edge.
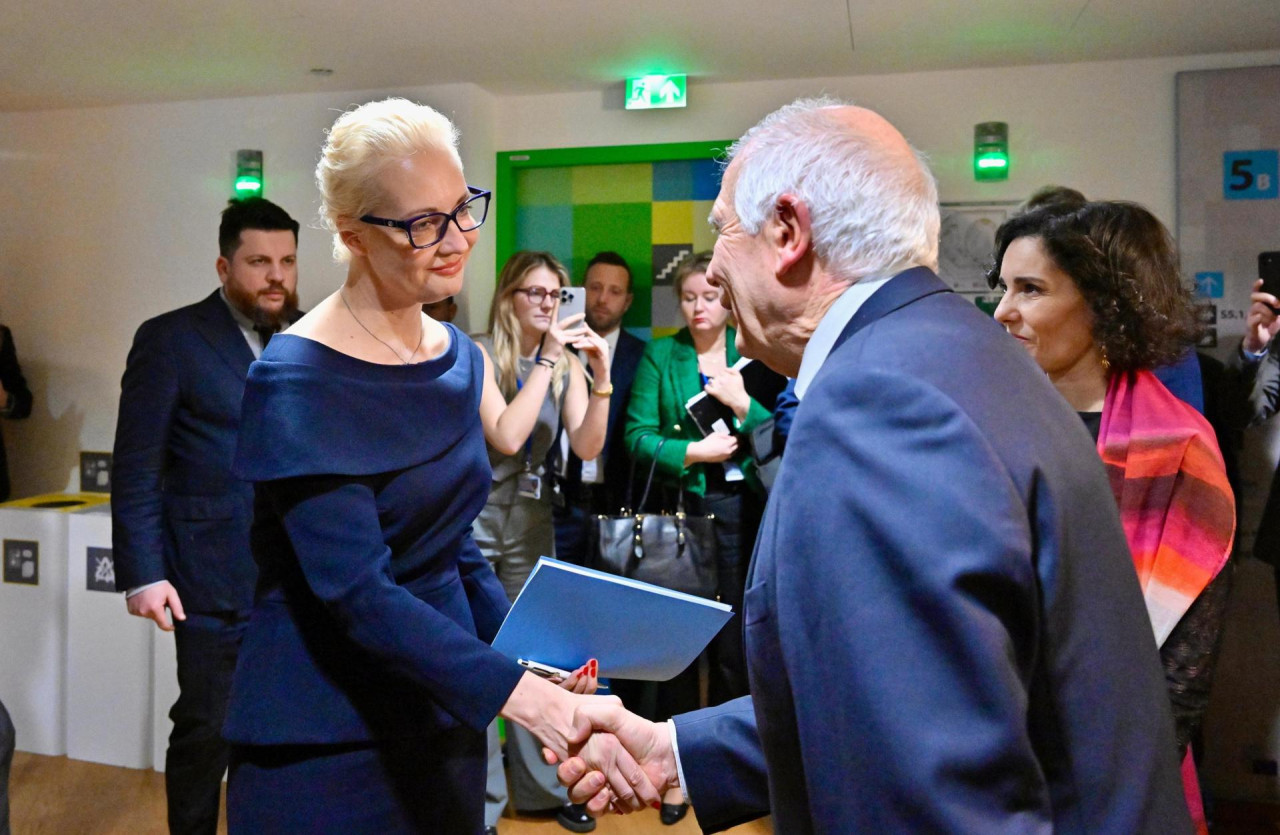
(180, 518)
(944, 630)
(599, 486)
(15, 398)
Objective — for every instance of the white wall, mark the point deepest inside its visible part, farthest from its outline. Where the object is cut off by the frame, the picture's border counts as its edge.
(113, 211)
(113, 217)
(1105, 128)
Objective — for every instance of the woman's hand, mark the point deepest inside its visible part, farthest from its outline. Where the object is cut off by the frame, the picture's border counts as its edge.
(727, 387)
(596, 350)
(1261, 322)
(583, 680)
(712, 449)
(561, 333)
(558, 721)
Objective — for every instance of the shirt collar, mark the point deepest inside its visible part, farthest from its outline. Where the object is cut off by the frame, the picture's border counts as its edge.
(612, 339)
(243, 321)
(832, 325)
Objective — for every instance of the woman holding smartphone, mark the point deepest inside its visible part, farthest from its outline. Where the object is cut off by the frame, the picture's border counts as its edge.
(533, 385)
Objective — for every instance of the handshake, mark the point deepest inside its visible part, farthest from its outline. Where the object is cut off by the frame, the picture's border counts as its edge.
(614, 760)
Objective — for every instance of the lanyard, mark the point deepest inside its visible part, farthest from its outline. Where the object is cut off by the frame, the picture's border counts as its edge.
(528, 444)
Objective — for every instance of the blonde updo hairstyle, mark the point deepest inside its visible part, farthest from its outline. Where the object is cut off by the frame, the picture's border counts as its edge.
(362, 143)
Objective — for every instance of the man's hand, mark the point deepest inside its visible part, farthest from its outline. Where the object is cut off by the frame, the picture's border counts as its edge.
(1261, 322)
(597, 774)
(552, 715)
(151, 603)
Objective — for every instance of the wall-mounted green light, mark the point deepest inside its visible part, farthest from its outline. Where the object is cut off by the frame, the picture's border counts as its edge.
(248, 181)
(648, 92)
(991, 151)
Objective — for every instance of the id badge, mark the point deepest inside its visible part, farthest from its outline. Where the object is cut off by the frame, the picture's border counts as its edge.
(529, 485)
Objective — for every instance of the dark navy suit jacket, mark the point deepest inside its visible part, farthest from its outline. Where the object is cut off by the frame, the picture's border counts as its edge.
(16, 386)
(622, 372)
(178, 514)
(944, 629)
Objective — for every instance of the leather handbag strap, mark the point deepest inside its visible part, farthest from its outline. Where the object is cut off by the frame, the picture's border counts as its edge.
(631, 509)
(648, 483)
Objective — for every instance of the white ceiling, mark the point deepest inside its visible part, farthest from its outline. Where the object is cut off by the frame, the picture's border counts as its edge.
(72, 53)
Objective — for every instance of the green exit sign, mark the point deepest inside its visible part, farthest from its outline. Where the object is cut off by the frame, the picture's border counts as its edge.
(647, 92)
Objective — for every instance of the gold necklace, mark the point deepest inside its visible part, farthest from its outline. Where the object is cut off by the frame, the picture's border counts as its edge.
(421, 334)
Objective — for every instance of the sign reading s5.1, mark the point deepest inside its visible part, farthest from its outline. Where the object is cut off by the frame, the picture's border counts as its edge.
(1251, 175)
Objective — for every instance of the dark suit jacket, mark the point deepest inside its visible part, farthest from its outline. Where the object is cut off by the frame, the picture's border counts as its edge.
(622, 371)
(20, 405)
(943, 626)
(178, 514)
(1249, 396)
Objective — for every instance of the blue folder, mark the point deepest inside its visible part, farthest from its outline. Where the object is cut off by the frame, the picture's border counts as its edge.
(566, 614)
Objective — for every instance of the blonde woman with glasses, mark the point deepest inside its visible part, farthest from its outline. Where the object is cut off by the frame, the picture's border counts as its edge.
(366, 680)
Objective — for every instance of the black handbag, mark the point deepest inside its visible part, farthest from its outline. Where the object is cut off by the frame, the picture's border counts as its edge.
(677, 551)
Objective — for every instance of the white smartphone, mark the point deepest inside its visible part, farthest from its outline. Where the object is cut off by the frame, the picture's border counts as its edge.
(573, 300)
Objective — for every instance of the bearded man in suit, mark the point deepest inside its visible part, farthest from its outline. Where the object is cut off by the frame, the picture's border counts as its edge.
(180, 519)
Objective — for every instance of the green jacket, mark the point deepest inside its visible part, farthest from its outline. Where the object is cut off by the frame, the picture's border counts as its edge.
(665, 380)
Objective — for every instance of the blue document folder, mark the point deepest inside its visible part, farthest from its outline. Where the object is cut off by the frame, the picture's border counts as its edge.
(566, 614)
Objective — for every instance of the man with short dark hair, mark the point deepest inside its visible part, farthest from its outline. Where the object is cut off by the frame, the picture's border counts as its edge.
(599, 486)
(180, 518)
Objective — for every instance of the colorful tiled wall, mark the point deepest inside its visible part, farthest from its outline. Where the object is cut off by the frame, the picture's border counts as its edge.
(653, 214)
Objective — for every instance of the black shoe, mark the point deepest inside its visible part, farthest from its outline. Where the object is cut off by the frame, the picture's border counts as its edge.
(491, 830)
(574, 817)
(673, 813)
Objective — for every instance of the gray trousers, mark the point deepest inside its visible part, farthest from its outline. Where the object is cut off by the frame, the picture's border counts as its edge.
(512, 537)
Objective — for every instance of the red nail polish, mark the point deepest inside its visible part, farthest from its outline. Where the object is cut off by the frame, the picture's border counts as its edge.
(655, 804)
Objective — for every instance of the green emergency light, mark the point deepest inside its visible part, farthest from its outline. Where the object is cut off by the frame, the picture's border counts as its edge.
(248, 181)
(991, 151)
(649, 92)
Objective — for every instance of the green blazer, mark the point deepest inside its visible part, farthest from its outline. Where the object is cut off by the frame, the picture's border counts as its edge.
(665, 380)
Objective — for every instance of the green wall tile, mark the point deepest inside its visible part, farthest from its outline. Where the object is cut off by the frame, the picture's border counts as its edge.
(613, 183)
(623, 228)
(544, 186)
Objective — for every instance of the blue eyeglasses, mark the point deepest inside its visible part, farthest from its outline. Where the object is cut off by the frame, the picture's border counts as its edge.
(429, 229)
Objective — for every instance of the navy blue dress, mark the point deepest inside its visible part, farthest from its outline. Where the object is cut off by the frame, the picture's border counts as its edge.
(365, 681)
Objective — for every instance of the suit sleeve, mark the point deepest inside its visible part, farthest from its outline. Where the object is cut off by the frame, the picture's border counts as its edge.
(12, 380)
(905, 591)
(723, 764)
(332, 524)
(644, 419)
(1253, 387)
(149, 396)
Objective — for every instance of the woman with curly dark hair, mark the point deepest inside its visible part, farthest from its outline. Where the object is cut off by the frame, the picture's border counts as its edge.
(1095, 296)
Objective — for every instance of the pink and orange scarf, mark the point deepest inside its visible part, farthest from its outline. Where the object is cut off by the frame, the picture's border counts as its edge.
(1178, 510)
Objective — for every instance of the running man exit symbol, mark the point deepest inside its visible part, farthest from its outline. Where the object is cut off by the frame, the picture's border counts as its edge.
(649, 92)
